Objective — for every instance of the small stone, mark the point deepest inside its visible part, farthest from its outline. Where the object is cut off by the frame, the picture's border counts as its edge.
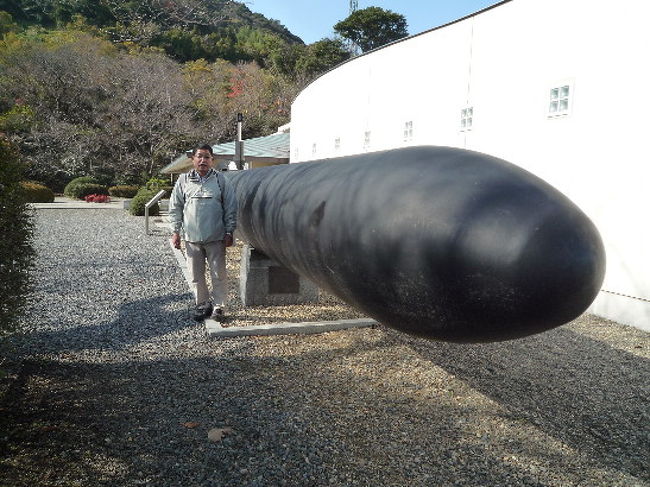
(216, 434)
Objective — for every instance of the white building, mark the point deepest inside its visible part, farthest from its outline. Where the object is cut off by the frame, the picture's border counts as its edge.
(558, 87)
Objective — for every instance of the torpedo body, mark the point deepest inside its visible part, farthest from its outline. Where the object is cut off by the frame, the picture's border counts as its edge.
(437, 242)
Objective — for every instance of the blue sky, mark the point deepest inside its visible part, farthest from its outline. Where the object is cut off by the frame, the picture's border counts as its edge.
(312, 20)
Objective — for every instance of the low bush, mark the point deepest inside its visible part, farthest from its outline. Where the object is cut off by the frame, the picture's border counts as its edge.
(97, 198)
(16, 251)
(82, 190)
(156, 184)
(123, 191)
(36, 192)
(140, 200)
(70, 189)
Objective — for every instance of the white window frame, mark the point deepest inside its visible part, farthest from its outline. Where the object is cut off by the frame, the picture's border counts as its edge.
(467, 119)
(559, 98)
(337, 144)
(408, 131)
(366, 139)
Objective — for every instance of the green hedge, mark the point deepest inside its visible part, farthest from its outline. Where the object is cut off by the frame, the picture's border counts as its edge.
(36, 192)
(70, 190)
(123, 191)
(82, 190)
(16, 251)
(140, 200)
(156, 184)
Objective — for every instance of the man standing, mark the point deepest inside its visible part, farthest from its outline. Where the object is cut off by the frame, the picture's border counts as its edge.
(204, 207)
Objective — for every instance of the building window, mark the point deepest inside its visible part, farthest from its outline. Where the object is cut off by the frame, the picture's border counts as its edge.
(559, 104)
(466, 119)
(313, 149)
(337, 144)
(408, 131)
(366, 140)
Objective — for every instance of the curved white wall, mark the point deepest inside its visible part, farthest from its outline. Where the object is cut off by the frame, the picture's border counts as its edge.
(503, 62)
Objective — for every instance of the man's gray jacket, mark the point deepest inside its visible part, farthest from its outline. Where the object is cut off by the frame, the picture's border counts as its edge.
(203, 209)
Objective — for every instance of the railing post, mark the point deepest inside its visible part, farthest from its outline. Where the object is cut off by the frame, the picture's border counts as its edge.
(151, 202)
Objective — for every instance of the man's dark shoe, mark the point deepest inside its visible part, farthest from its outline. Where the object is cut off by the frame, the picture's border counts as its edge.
(202, 311)
(218, 316)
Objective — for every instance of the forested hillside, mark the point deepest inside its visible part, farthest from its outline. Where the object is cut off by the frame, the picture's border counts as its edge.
(184, 29)
(116, 88)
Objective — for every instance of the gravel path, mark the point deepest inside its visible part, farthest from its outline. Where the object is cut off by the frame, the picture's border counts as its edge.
(112, 384)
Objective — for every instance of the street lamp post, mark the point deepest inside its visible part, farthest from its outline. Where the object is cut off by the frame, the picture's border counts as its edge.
(239, 144)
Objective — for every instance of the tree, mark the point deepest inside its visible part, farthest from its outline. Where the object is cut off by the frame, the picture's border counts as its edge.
(264, 98)
(169, 13)
(208, 86)
(80, 100)
(53, 83)
(320, 57)
(372, 27)
(145, 120)
(7, 23)
(256, 44)
(82, 106)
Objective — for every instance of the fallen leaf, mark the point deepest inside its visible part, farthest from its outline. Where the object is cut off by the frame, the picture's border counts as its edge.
(217, 434)
(191, 424)
(48, 429)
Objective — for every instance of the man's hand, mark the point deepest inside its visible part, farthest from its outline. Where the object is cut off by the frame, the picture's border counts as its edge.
(228, 240)
(176, 240)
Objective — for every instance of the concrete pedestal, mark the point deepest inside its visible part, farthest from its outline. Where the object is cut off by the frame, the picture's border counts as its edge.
(263, 282)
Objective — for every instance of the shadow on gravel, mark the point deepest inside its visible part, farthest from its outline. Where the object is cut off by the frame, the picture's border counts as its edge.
(581, 391)
(352, 412)
(136, 321)
(127, 424)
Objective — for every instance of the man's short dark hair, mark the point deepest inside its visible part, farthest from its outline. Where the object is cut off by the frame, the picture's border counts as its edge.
(207, 147)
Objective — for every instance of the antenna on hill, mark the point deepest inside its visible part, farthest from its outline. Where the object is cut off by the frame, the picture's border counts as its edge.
(352, 46)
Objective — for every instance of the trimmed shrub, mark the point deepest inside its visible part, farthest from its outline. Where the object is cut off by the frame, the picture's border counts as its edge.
(123, 191)
(141, 199)
(156, 184)
(16, 251)
(70, 189)
(36, 192)
(82, 190)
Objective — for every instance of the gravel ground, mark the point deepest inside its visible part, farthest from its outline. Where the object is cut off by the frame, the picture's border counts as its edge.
(111, 384)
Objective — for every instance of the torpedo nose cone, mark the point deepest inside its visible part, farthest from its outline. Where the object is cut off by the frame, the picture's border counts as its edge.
(520, 270)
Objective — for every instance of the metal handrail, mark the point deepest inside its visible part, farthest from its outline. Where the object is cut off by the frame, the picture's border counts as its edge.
(151, 202)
